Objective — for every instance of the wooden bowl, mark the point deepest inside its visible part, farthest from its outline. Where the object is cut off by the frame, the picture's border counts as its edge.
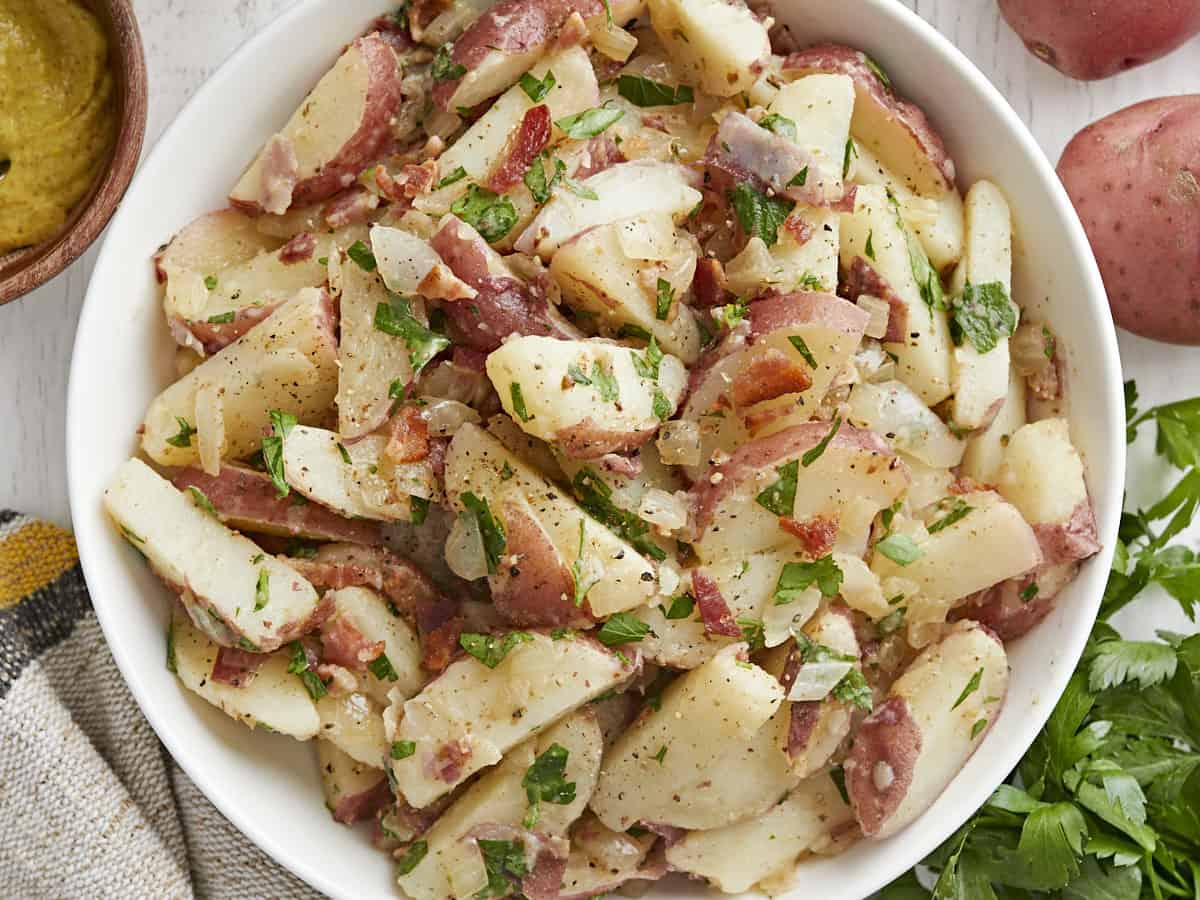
(24, 270)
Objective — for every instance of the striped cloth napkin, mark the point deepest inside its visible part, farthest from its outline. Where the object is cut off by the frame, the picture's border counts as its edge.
(91, 804)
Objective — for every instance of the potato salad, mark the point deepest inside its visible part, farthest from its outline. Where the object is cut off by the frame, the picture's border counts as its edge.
(606, 431)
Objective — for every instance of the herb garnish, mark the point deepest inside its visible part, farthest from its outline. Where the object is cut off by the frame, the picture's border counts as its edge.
(643, 92)
(490, 530)
(490, 649)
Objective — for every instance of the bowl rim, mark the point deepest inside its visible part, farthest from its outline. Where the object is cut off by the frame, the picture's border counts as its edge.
(127, 57)
(1006, 757)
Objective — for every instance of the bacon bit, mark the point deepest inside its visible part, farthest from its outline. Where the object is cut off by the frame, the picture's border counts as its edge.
(523, 148)
(847, 203)
(235, 667)
(339, 680)
(798, 228)
(670, 834)
(437, 456)
(349, 207)
(544, 880)
(817, 534)
(409, 182)
(709, 284)
(447, 762)
(771, 374)
(863, 279)
(344, 645)
(718, 620)
(298, 249)
(408, 439)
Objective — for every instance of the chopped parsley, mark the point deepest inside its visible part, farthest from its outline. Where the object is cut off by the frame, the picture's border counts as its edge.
(958, 511)
(870, 248)
(453, 178)
(501, 860)
(983, 315)
(490, 649)
(972, 687)
(802, 348)
(577, 572)
(444, 68)
(545, 782)
(262, 590)
(777, 124)
(759, 215)
(412, 857)
(899, 548)
(536, 89)
(492, 215)
(395, 318)
(343, 453)
(589, 122)
(184, 437)
(664, 297)
(402, 749)
(681, 607)
(362, 256)
(595, 496)
(172, 665)
(222, 318)
(811, 456)
(621, 628)
(876, 70)
(381, 667)
(848, 158)
(201, 500)
(661, 754)
(518, 401)
(797, 577)
(490, 529)
(272, 449)
(780, 497)
(1029, 592)
(799, 179)
(210, 282)
(606, 384)
(418, 510)
(298, 665)
(642, 91)
(977, 727)
(647, 364)
(854, 690)
(661, 406)
(753, 632)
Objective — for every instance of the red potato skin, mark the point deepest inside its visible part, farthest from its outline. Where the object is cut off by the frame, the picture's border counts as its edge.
(889, 735)
(1092, 39)
(837, 59)
(1134, 178)
(370, 140)
(364, 805)
(587, 440)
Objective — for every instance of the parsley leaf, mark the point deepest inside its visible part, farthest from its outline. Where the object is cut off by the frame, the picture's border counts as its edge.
(444, 68)
(200, 499)
(490, 529)
(780, 497)
(643, 92)
(298, 665)
(545, 781)
(958, 511)
(492, 215)
(681, 607)
(184, 437)
(797, 577)
(362, 256)
(272, 449)
(454, 177)
(412, 857)
(665, 296)
(983, 315)
(537, 89)
(811, 456)
(802, 348)
(222, 318)
(606, 384)
(381, 667)
(1119, 662)
(854, 690)
(759, 215)
(262, 590)
(518, 401)
(899, 548)
(396, 319)
(778, 124)
(972, 687)
(621, 628)
(501, 859)
(402, 749)
(589, 122)
(490, 649)
(595, 496)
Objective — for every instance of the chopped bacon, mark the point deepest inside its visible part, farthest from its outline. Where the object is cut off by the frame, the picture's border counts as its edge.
(408, 436)
(544, 880)
(437, 456)
(364, 805)
(280, 175)
(248, 499)
(344, 645)
(235, 667)
(965, 484)
(817, 535)
(799, 228)
(447, 762)
(350, 207)
(709, 284)
(863, 279)
(714, 610)
(213, 337)
(530, 138)
(298, 249)
(406, 184)
(602, 153)
(394, 27)
(770, 374)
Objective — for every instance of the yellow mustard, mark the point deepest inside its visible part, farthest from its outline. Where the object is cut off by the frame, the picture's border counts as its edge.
(57, 114)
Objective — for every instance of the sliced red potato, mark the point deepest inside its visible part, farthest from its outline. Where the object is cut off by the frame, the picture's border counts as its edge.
(290, 366)
(985, 451)
(821, 107)
(978, 526)
(452, 862)
(369, 620)
(587, 397)
(896, 131)
(935, 716)
(719, 47)
(894, 409)
(481, 148)
(616, 577)
(248, 501)
(735, 858)
(354, 791)
(1012, 608)
(855, 475)
(936, 221)
(355, 478)
(603, 860)
(464, 719)
(634, 272)
(980, 380)
(273, 697)
(239, 595)
(353, 723)
(918, 332)
(1042, 475)
(702, 758)
(623, 191)
(343, 124)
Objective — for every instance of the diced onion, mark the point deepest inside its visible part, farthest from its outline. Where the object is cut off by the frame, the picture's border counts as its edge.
(668, 512)
(464, 549)
(747, 272)
(403, 259)
(445, 417)
(650, 237)
(879, 311)
(860, 587)
(679, 443)
(815, 680)
(614, 42)
(781, 622)
(874, 364)
(893, 410)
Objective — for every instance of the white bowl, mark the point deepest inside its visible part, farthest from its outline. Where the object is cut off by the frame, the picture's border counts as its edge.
(267, 785)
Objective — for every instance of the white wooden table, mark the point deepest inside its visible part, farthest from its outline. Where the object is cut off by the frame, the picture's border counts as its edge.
(186, 41)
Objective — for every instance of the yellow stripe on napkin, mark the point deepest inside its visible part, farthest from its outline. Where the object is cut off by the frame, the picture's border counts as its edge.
(32, 555)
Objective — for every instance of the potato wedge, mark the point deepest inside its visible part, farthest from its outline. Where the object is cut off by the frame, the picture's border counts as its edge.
(340, 127)
(273, 698)
(603, 860)
(369, 615)
(471, 715)
(738, 856)
(821, 106)
(985, 451)
(238, 595)
(354, 724)
(288, 365)
(936, 714)
(354, 791)
(587, 397)
(499, 798)
(719, 47)
(702, 758)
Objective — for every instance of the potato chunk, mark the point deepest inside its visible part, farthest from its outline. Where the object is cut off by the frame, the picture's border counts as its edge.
(353, 790)
(720, 47)
(471, 715)
(273, 697)
(289, 363)
(588, 397)
(238, 594)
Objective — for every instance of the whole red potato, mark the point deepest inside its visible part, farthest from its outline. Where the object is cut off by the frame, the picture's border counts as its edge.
(1134, 178)
(1090, 39)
